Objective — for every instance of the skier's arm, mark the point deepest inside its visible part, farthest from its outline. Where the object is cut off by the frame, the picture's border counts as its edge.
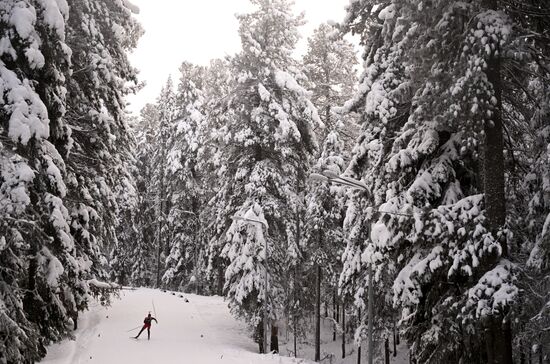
(152, 318)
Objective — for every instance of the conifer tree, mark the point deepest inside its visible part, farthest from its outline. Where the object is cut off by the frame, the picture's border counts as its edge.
(329, 66)
(53, 232)
(269, 122)
(37, 255)
(141, 254)
(528, 192)
(102, 141)
(183, 180)
(167, 112)
(435, 87)
(323, 234)
(218, 84)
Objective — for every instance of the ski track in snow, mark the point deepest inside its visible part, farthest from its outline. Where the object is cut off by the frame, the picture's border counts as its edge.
(102, 336)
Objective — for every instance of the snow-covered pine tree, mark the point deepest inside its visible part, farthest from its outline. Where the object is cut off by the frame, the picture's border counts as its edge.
(218, 84)
(387, 77)
(529, 181)
(183, 183)
(439, 76)
(324, 239)
(269, 141)
(128, 215)
(168, 111)
(149, 255)
(141, 254)
(46, 210)
(39, 266)
(217, 80)
(99, 34)
(329, 65)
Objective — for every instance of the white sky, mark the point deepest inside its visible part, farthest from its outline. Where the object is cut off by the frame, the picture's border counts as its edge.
(198, 31)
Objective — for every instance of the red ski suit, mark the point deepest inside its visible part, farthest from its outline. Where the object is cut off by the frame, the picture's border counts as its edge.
(147, 325)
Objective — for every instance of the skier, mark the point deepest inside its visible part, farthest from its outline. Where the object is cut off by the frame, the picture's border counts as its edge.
(147, 325)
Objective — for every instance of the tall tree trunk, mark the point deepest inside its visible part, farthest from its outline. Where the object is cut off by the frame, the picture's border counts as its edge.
(160, 220)
(295, 288)
(343, 330)
(295, 338)
(387, 350)
(220, 280)
(359, 347)
(395, 339)
(30, 302)
(493, 166)
(334, 316)
(295, 318)
(498, 330)
(318, 315)
(159, 238)
(259, 336)
(274, 337)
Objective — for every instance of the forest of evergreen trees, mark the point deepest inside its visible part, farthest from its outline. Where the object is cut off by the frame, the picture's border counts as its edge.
(445, 121)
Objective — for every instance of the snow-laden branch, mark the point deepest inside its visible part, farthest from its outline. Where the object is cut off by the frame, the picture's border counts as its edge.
(98, 284)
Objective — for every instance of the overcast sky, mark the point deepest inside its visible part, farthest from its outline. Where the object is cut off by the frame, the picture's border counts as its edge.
(198, 31)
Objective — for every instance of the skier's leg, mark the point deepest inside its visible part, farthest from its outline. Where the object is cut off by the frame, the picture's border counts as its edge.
(149, 333)
(140, 331)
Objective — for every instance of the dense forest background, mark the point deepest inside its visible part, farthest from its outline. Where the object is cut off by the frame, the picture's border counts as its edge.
(444, 134)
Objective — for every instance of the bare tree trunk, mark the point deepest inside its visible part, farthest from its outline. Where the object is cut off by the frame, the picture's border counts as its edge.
(295, 318)
(220, 281)
(159, 238)
(395, 339)
(259, 336)
(274, 338)
(295, 346)
(498, 331)
(493, 165)
(343, 330)
(359, 347)
(295, 290)
(387, 350)
(160, 220)
(334, 315)
(30, 304)
(318, 316)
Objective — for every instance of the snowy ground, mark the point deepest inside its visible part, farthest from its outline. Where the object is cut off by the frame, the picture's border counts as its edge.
(200, 331)
(331, 351)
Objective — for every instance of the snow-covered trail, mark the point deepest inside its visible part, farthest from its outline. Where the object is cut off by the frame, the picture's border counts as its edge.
(194, 332)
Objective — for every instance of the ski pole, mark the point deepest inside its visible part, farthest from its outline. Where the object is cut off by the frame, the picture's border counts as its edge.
(135, 328)
(154, 310)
